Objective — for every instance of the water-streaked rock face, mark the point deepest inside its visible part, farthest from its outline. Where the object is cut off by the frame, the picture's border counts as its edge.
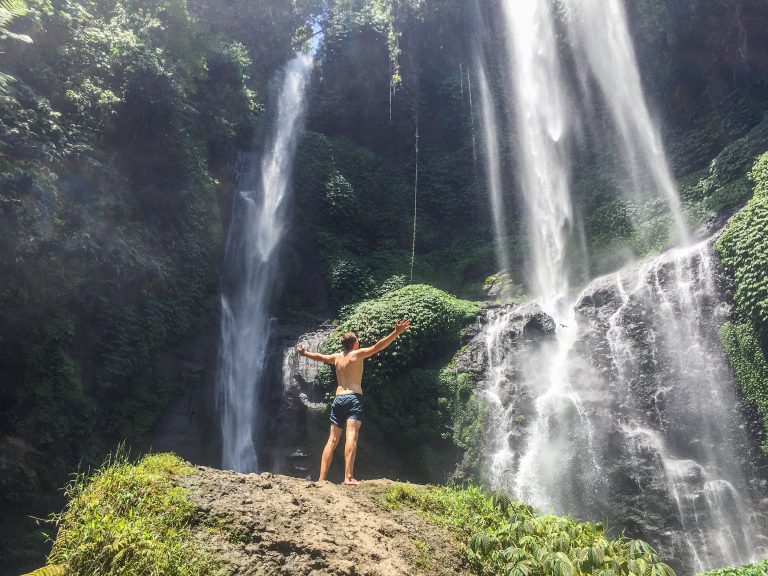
(298, 428)
(681, 458)
(647, 429)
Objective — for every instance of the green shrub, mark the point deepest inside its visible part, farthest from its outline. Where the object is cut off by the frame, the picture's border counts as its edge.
(506, 537)
(759, 569)
(129, 519)
(436, 318)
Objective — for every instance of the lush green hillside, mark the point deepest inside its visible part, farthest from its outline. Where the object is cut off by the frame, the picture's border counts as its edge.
(743, 248)
(120, 128)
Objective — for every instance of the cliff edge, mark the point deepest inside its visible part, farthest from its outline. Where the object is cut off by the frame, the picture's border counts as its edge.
(266, 524)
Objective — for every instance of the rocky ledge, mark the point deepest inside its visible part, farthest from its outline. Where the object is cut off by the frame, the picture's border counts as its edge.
(267, 524)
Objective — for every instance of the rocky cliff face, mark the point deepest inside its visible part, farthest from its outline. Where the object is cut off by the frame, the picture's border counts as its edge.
(679, 449)
(630, 414)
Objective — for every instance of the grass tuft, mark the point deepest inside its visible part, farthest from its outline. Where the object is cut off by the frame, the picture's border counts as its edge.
(128, 520)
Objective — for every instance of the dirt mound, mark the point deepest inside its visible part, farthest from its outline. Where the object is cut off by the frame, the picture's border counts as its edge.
(266, 524)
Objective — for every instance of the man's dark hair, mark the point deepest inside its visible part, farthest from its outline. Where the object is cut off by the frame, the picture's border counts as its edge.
(348, 340)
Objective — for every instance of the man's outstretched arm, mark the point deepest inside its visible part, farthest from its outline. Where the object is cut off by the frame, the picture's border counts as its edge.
(400, 327)
(327, 358)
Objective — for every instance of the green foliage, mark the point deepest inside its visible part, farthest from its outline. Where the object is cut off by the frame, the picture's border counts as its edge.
(619, 230)
(506, 537)
(341, 197)
(391, 284)
(743, 249)
(49, 571)
(119, 143)
(436, 320)
(726, 183)
(466, 414)
(623, 230)
(129, 519)
(9, 11)
(758, 569)
(748, 360)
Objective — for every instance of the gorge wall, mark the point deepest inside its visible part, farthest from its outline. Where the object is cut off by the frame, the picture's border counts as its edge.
(116, 178)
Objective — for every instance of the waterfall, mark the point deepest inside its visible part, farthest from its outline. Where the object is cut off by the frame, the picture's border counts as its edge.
(603, 51)
(630, 414)
(678, 430)
(493, 166)
(540, 115)
(250, 265)
(645, 429)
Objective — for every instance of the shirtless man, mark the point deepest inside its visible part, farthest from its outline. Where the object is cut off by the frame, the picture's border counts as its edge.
(348, 404)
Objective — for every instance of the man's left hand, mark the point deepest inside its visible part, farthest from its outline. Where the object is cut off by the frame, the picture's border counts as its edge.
(402, 326)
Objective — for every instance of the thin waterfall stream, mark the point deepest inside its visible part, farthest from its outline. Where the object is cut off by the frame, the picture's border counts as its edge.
(250, 266)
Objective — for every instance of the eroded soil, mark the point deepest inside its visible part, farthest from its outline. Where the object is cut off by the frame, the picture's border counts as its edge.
(265, 525)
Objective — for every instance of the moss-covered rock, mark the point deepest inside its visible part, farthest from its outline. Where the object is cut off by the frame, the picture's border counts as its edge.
(749, 364)
(437, 319)
(743, 249)
(130, 519)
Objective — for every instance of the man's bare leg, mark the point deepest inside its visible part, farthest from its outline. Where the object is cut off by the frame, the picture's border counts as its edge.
(350, 450)
(330, 446)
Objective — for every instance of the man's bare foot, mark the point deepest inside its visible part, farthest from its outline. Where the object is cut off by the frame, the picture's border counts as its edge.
(351, 482)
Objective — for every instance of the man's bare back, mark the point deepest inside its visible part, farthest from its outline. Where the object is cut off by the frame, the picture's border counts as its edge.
(349, 372)
(347, 407)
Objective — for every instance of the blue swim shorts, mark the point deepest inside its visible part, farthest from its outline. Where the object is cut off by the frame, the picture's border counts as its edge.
(346, 406)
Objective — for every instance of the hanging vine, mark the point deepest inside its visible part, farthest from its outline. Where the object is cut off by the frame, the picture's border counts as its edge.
(415, 187)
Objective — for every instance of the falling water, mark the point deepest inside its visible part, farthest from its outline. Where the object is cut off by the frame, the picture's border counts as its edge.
(675, 406)
(493, 166)
(540, 115)
(559, 423)
(472, 117)
(645, 431)
(250, 264)
(603, 51)
(572, 429)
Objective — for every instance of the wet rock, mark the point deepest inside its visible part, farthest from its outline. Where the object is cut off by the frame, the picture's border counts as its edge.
(528, 325)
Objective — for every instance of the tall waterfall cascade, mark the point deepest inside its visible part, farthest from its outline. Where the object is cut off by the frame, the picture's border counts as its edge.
(540, 113)
(599, 35)
(631, 413)
(647, 430)
(250, 265)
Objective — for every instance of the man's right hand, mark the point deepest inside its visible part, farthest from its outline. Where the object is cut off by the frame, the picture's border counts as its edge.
(301, 350)
(402, 326)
